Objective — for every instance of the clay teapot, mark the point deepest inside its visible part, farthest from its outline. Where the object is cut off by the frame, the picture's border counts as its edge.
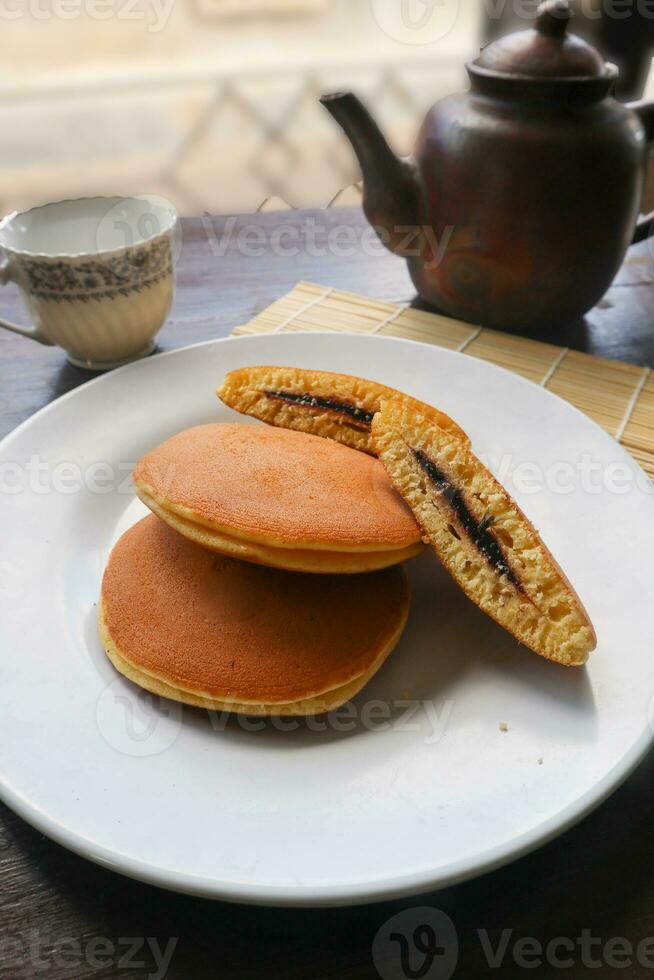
(523, 193)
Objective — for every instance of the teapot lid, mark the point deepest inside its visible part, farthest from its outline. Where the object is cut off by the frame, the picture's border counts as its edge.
(546, 50)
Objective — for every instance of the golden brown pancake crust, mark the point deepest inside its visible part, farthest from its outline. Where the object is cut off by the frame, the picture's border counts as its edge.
(237, 632)
(335, 406)
(316, 560)
(278, 487)
(319, 704)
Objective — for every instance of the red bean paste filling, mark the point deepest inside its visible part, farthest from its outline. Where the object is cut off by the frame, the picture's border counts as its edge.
(342, 407)
(478, 531)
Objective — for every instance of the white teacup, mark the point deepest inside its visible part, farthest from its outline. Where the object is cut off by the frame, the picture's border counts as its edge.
(96, 275)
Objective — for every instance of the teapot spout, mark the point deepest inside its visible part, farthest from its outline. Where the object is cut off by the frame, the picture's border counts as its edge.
(391, 195)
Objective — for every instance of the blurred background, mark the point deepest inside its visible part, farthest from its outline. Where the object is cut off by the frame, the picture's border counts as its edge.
(213, 103)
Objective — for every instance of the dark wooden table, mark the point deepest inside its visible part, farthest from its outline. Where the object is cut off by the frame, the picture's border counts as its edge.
(67, 919)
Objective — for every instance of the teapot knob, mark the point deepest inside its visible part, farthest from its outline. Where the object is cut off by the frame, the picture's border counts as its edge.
(553, 17)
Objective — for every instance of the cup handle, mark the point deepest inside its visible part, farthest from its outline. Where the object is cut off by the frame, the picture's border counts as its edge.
(34, 333)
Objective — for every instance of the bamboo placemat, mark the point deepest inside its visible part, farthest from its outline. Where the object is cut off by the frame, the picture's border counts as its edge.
(618, 396)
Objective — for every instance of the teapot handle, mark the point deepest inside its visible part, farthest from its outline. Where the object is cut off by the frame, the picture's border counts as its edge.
(644, 109)
(644, 228)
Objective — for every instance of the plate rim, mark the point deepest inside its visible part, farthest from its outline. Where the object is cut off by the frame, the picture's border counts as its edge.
(333, 896)
(143, 363)
(348, 893)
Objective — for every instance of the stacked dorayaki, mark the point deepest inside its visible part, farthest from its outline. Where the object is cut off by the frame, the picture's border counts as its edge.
(269, 579)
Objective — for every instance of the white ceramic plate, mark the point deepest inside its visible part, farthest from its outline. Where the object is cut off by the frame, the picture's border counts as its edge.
(383, 802)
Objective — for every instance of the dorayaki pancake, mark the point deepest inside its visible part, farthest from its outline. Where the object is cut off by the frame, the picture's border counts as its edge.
(335, 406)
(218, 633)
(482, 537)
(279, 498)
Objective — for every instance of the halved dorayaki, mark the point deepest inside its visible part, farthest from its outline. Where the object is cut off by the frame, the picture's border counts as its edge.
(481, 536)
(222, 634)
(336, 406)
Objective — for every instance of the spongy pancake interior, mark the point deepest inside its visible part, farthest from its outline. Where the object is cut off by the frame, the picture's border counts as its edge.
(278, 487)
(334, 406)
(228, 630)
(482, 537)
